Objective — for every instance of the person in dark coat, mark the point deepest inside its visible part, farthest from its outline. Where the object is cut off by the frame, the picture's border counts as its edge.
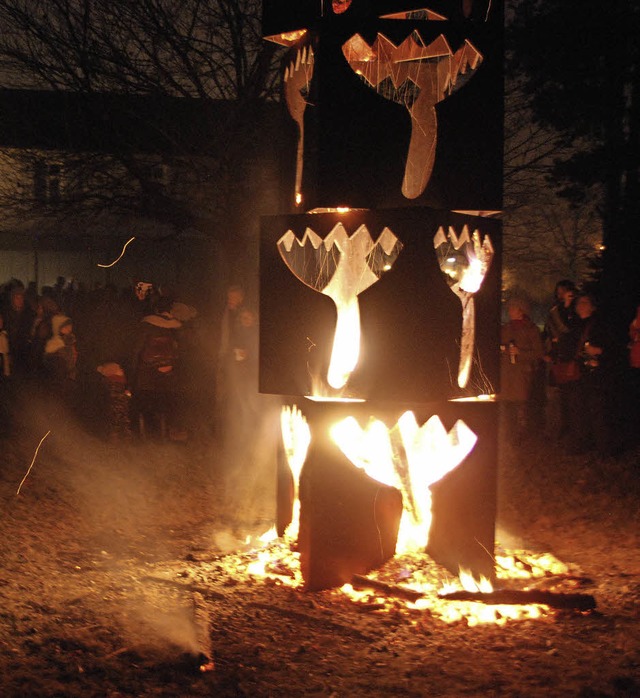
(589, 426)
(154, 375)
(18, 322)
(559, 350)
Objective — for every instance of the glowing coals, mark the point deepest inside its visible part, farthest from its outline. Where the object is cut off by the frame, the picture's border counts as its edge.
(341, 267)
(465, 261)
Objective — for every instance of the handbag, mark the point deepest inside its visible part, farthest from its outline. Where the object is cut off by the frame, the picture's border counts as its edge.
(565, 372)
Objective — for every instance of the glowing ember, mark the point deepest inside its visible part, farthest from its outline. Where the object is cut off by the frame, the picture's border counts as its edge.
(115, 261)
(529, 566)
(418, 573)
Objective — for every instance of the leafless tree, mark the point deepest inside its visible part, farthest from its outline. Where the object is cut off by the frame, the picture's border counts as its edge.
(198, 51)
(545, 237)
(192, 48)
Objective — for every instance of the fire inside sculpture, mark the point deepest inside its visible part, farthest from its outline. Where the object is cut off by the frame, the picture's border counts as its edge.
(465, 261)
(341, 267)
(389, 460)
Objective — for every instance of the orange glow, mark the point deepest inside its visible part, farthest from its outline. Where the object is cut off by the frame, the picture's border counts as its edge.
(430, 453)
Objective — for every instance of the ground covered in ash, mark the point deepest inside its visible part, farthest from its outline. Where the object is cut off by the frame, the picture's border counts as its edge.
(118, 567)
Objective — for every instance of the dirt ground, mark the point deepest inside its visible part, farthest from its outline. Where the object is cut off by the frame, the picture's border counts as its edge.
(118, 567)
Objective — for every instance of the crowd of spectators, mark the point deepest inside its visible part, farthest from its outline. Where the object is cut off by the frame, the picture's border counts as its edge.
(140, 361)
(571, 379)
(127, 362)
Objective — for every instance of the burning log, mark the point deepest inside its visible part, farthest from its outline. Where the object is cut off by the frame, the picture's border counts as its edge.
(510, 597)
(361, 582)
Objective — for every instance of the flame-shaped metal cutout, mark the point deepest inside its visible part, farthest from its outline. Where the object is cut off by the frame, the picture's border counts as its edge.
(465, 261)
(341, 267)
(297, 81)
(408, 457)
(418, 76)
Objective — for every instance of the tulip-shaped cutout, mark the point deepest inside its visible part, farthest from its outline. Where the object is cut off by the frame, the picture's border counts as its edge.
(341, 267)
(297, 79)
(418, 76)
(465, 261)
(296, 437)
(410, 458)
(431, 453)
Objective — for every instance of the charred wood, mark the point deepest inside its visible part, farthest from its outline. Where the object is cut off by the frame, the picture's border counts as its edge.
(578, 602)
(361, 582)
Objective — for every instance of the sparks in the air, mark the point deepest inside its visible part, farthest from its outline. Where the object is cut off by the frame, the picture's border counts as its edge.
(106, 266)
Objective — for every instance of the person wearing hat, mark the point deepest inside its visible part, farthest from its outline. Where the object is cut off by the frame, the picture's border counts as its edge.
(61, 357)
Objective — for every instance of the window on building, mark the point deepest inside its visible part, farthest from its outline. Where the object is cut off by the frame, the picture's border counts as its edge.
(159, 174)
(47, 182)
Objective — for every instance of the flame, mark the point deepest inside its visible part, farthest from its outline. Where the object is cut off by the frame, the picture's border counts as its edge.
(471, 613)
(470, 583)
(369, 449)
(407, 457)
(416, 572)
(472, 276)
(427, 452)
(431, 453)
(465, 260)
(296, 437)
(346, 343)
